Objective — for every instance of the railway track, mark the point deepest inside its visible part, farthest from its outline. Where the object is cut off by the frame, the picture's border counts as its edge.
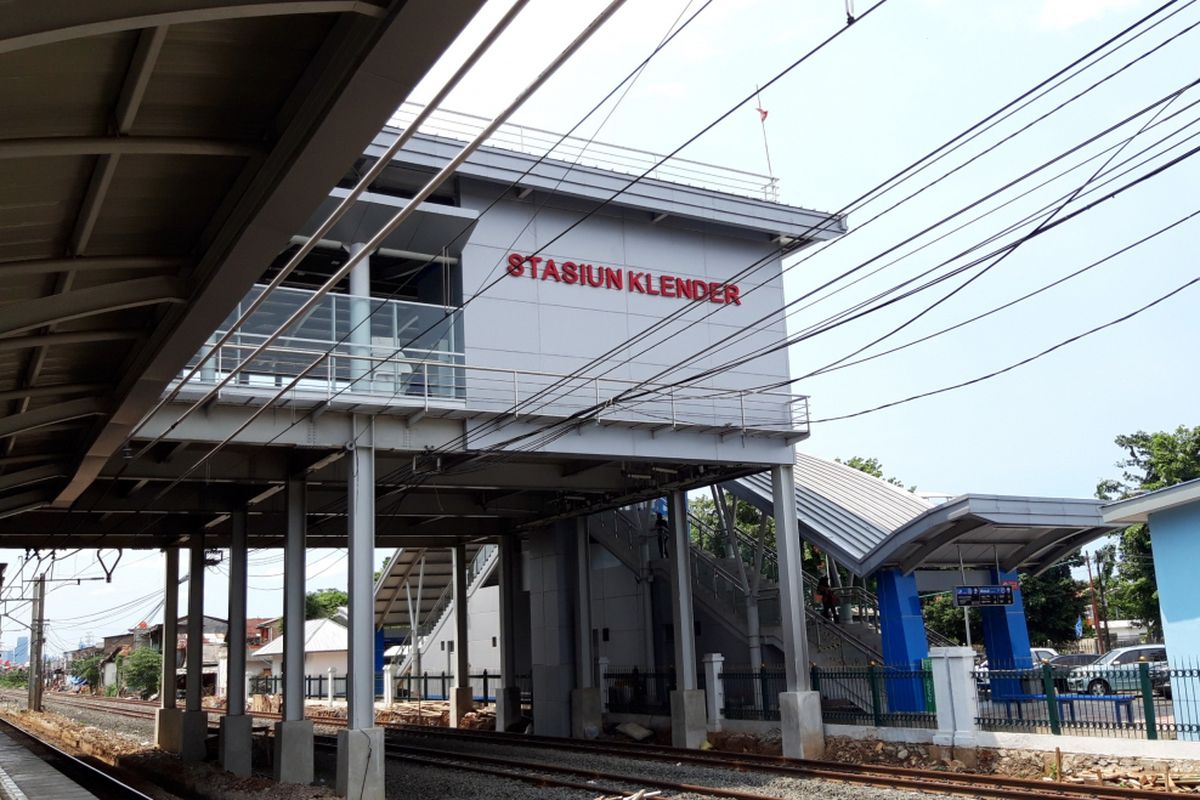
(431, 750)
(97, 781)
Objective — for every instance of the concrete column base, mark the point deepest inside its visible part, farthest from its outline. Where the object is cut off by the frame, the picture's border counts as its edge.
(462, 700)
(194, 741)
(587, 715)
(508, 708)
(689, 719)
(168, 729)
(360, 757)
(236, 739)
(801, 724)
(960, 746)
(294, 751)
(552, 685)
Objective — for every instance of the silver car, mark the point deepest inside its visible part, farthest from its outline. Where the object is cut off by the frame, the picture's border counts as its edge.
(1117, 670)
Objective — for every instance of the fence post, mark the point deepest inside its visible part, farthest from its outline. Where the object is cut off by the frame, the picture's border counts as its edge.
(1147, 699)
(714, 689)
(389, 685)
(485, 683)
(1051, 699)
(876, 694)
(330, 672)
(814, 678)
(602, 680)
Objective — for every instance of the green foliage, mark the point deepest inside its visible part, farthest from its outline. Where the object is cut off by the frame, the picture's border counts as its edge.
(383, 565)
(873, 467)
(141, 671)
(1054, 602)
(324, 603)
(14, 679)
(1127, 583)
(88, 669)
(942, 616)
(111, 691)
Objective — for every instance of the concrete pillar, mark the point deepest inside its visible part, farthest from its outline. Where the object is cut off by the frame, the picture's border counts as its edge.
(551, 577)
(799, 708)
(461, 700)
(602, 680)
(235, 739)
(586, 706)
(689, 724)
(389, 685)
(714, 689)
(360, 746)
(647, 585)
(294, 733)
(360, 313)
(508, 699)
(193, 745)
(168, 720)
(957, 702)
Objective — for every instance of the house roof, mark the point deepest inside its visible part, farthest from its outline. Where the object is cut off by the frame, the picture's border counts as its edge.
(320, 636)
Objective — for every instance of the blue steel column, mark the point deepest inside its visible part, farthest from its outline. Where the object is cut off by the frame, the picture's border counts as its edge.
(904, 640)
(1006, 637)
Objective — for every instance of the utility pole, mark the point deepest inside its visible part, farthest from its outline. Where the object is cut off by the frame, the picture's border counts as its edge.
(36, 667)
(1100, 639)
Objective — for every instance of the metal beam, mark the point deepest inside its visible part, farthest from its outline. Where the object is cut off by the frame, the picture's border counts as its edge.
(28, 477)
(937, 539)
(21, 317)
(46, 266)
(72, 337)
(59, 146)
(62, 412)
(57, 390)
(64, 20)
(20, 503)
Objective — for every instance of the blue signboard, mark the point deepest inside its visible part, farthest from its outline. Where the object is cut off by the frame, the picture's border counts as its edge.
(969, 596)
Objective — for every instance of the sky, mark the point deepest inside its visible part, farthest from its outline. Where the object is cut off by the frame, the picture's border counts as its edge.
(901, 80)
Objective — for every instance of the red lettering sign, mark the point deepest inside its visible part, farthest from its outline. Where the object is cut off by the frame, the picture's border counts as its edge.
(576, 273)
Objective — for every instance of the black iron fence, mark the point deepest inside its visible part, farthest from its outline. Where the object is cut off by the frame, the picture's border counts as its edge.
(316, 687)
(632, 691)
(752, 694)
(1139, 700)
(883, 696)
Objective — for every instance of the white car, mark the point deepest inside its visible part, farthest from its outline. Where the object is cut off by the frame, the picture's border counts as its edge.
(1117, 671)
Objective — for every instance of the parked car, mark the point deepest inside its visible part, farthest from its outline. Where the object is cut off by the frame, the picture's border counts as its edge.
(1063, 664)
(1041, 654)
(1038, 654)
(1117, 671)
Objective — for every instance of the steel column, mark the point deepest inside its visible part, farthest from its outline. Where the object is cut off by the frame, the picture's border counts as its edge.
(235, 664)
(195, 623)
(791, 578)
(360, 313)
(293, 600)
(510, 552)
(360, 690)
(681, 595)
(170, 628)
(462, 656)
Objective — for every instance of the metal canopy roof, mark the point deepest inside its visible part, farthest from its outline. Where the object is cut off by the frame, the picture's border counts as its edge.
(155, 156)
(867, 524)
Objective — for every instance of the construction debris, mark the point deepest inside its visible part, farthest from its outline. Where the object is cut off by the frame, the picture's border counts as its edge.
(634, 731)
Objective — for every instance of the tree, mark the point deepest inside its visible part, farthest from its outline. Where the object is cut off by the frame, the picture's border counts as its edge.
(1054, 602)
(873, 467)
(14, 679)
(1155, 461)
(324, 603)
(87, 669)
(942, 616)
(142, 669)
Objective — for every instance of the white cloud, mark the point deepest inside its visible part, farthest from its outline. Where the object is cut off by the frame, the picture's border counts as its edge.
(1063, 14)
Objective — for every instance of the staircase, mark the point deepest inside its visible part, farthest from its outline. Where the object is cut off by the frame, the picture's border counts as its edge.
(479, 571)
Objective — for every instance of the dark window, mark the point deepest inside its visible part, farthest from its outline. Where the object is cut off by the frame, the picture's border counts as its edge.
(604, 634)
(493, 641)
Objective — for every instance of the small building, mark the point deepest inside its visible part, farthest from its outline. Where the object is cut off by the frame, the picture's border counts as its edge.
(325, 642)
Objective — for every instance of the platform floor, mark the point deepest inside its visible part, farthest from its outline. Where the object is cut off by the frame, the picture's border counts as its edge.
(24, 776)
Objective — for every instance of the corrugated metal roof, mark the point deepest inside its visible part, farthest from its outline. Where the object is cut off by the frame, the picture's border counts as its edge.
(868, 524)
(320, 636)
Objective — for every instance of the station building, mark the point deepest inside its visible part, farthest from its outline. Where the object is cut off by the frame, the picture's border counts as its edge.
(501, 388)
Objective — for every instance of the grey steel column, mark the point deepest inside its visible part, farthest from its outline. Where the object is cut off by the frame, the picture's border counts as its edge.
(360, 312)
(681, 595)
(791, 578)
(509, 553)
(360, 689)
(462, 656)
(583, 607)
(293, 600)
(195, 622)
(235, 664)
(170, 628)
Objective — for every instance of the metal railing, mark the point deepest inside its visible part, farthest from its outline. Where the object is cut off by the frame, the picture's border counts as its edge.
(577, 149)
(430, 373)
(883, 696)
(630, 690)
(752, 694)
(1139, 700)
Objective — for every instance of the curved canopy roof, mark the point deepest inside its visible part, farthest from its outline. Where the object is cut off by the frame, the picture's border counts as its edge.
(867, 524)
